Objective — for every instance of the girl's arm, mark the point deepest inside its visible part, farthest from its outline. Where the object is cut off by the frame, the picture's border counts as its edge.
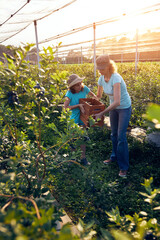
(116, 103)
(66, 105)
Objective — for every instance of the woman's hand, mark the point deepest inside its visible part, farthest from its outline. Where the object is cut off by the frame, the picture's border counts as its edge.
(81, 106)
(98, 115)
(93, 95)
(96, 98)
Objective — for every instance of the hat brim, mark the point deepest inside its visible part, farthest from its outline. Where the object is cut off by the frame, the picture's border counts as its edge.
(77, 80)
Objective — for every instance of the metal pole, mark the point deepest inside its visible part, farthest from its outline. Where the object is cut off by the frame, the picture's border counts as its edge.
(94, 31)
(136, 55)
(122, 57)
(57, 54)
(35, 25)
(81, 56)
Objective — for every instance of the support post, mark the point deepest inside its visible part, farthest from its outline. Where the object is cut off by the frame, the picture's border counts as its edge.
(122, 57)
(57, 55)
(35, 25)
(94, 57)
(81, 56)
(136, 55)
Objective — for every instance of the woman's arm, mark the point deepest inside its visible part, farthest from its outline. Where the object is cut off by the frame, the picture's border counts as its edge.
(93, 95)
(66, 105)
(116, 103)
(99, 92)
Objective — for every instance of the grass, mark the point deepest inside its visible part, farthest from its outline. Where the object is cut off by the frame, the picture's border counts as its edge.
(88, 193)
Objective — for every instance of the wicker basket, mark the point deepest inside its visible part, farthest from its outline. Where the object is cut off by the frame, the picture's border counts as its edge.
(91, 107)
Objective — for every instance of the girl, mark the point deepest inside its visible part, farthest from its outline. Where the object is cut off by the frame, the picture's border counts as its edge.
(76, 91)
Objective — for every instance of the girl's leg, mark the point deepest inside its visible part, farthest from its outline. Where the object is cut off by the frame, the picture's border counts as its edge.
(122, 147)
(83, 151)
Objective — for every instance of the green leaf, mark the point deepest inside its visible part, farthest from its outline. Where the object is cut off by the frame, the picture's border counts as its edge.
(156, 208)
(89, 225)
(106, 235)
(143, 213)
(80, 225)
(153, 114)
(119, 235)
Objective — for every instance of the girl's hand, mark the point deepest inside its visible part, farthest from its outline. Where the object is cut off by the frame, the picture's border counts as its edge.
(81, 106)
(98, 115)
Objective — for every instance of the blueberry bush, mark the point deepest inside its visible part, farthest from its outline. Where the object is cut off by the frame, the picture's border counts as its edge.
(39, 167)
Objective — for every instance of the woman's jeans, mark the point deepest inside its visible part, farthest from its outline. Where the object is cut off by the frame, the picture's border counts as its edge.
(119, 119)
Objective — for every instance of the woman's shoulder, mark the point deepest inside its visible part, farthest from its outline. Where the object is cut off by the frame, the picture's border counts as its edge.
(117, 76)
(101, 79)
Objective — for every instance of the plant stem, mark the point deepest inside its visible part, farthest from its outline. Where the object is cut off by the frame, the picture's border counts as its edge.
(23, 198)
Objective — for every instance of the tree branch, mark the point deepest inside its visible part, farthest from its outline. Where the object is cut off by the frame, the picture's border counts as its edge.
(22, 198)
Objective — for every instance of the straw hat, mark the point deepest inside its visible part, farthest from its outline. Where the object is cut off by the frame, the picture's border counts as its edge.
(102, 61)
(74, 79)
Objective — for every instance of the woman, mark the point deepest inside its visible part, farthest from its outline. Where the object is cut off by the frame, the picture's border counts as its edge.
(119, 110)
(76, 91)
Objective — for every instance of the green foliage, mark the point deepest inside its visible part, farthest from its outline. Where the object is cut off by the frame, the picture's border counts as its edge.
(139, 225)
(38, 165)
(26, 111)
(20, 222)
(143, 88)
(89, 193)
(85, 230)
(153, 114)
(35, 136)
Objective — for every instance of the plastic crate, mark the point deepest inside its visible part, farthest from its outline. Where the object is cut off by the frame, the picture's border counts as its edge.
(91, 107)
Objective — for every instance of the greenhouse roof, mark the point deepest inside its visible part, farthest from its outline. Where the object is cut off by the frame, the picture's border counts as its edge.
(17, 15)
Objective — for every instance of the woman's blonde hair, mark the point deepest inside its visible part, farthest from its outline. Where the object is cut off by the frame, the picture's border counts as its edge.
(112, 67)
(104, 61)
